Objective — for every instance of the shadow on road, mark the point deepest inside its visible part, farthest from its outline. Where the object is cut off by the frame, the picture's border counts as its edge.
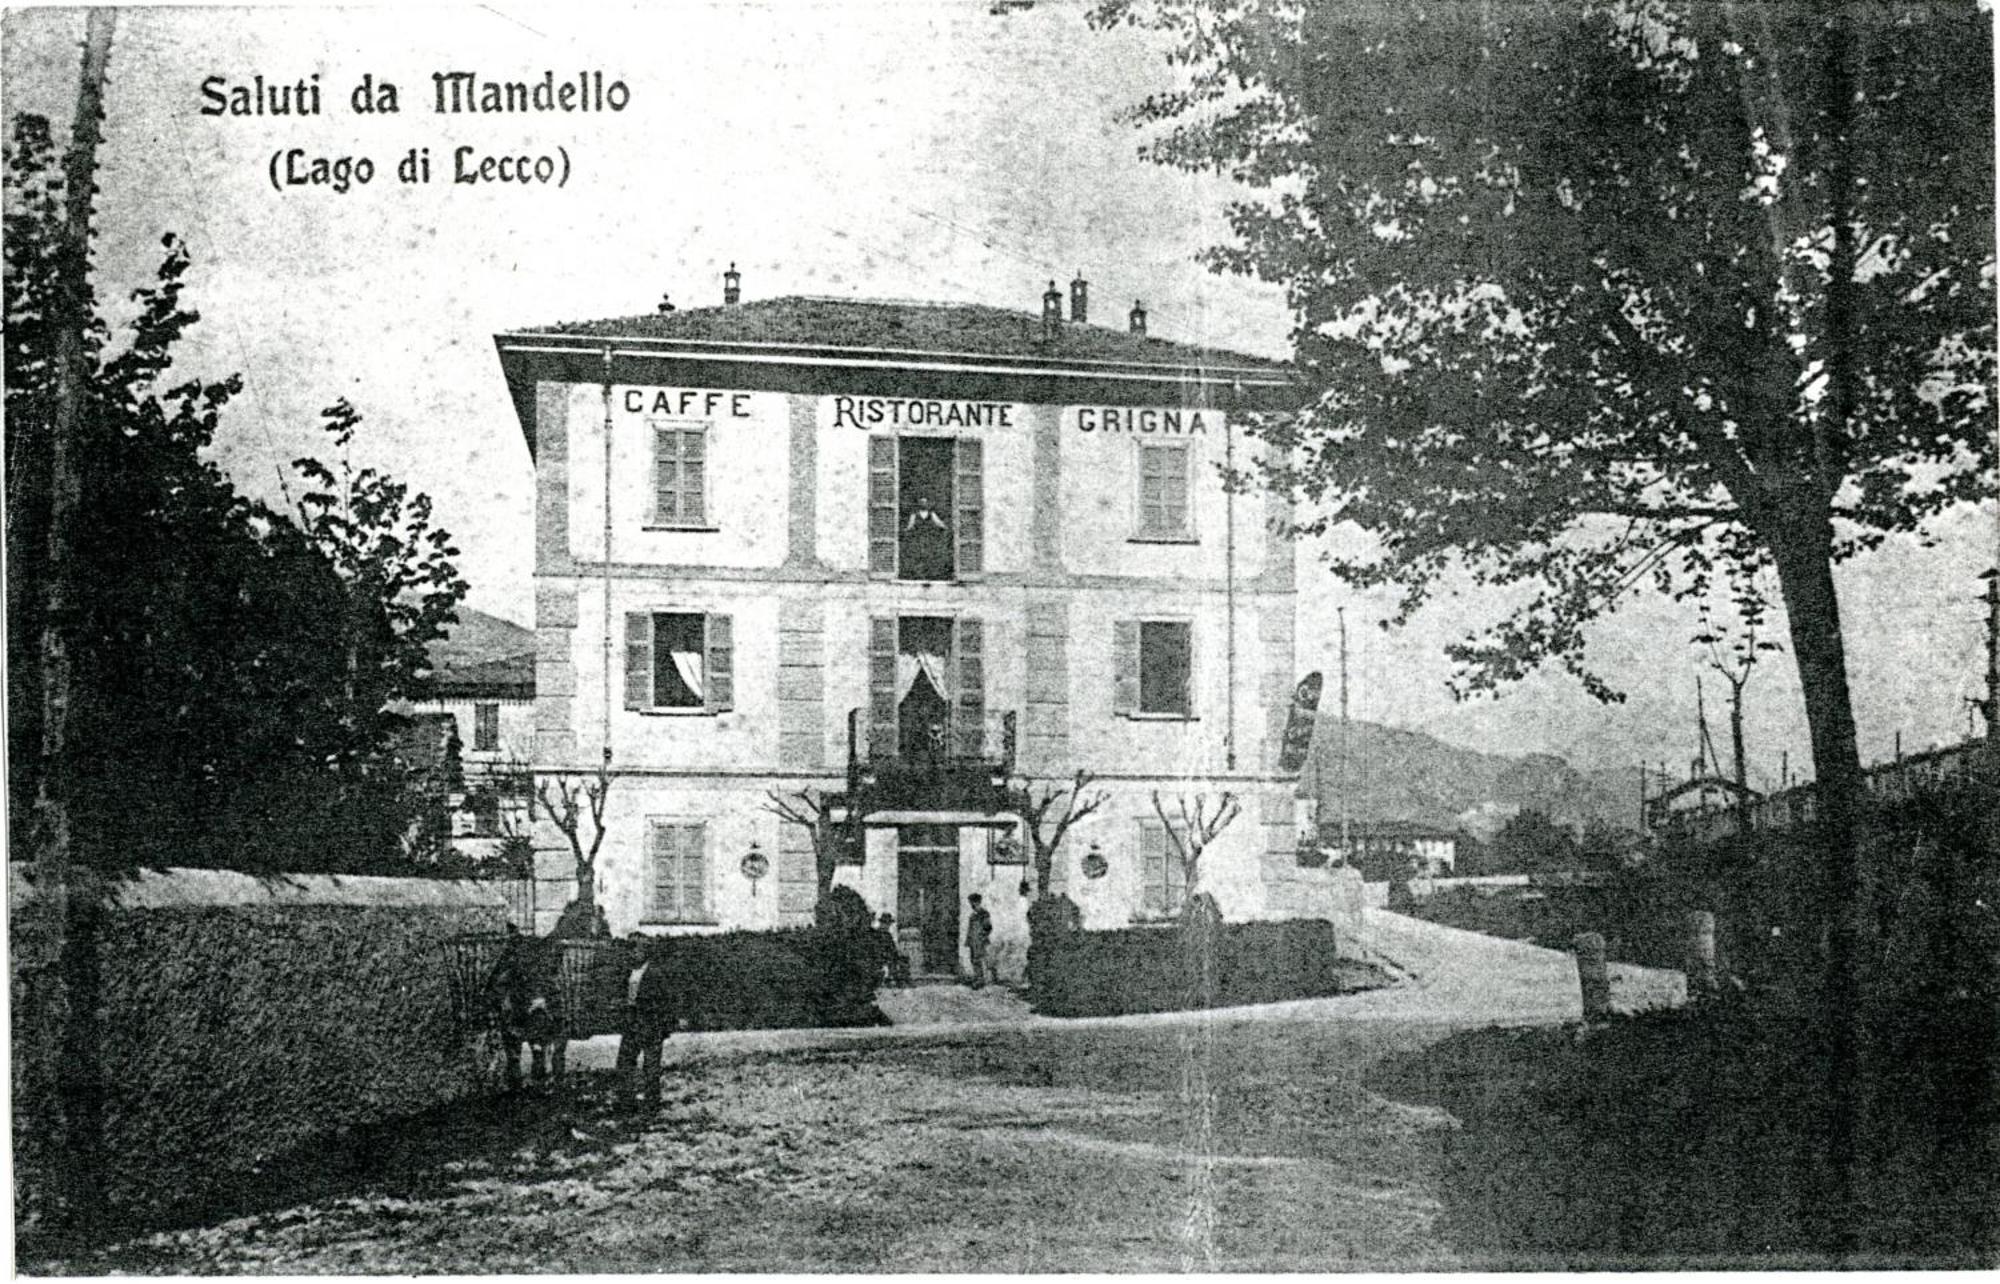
(1697, 1139)
(521, 1137)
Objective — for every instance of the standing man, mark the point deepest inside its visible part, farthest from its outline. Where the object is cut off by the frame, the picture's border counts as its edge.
(651, 1009)
(978, 932)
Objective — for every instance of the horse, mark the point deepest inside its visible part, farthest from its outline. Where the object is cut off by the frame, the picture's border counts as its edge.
(526, 1003)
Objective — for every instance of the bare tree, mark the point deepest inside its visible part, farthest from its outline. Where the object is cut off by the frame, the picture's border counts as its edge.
(564, 798)
(1037, 808)
(1733, 652)
(808, 808)
(1196, 828)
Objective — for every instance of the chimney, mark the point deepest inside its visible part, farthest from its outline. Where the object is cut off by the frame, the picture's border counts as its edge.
(1138, 317)
(1051, 313)
(1079, 300)
(732, 287)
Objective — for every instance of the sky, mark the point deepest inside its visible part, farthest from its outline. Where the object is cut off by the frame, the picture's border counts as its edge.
(891, 149)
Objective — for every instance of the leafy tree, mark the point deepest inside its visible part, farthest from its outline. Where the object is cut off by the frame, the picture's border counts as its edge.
(1600, 295)
(1531, 843)
(217, 719)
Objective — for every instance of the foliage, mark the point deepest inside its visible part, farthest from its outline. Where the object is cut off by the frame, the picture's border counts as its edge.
(1531, 843)
(1599, 295)
(216, 717)
(233, 1033)
(1154, 969)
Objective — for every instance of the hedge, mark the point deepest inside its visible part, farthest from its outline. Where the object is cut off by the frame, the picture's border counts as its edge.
(739, 980)
(1157, 968)
(241, 1019)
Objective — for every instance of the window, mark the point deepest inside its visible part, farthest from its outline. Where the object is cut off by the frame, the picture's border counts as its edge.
(677, 872)
(1163, 878)
(485, 726)
(485, 809)
(1155, 666)
(926, 507)
(679, 661)
(680, 480)
(1163, 491)
(927, 688)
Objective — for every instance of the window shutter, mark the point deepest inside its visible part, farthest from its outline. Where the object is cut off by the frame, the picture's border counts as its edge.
(694, 871)
(1153, 865)
(694, 481)
(719, 664)
(1125, 666)
(1187, 672)
(882, 506)
(969, 499)
(638, 660)
(660, 856)
(882, 686)
(1176, 871)
(968, 653)
(666, 476)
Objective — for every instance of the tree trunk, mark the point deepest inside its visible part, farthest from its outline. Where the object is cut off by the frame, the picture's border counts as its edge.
(1802, 550)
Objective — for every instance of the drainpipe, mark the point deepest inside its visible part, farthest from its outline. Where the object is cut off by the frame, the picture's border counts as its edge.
(605, 731)
(1229, 577)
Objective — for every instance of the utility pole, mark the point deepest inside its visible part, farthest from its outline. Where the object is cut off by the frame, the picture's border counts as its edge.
(1346, 811)
(66, 1019)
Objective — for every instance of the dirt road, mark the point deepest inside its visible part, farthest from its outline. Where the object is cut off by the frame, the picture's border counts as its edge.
(1244, 1140)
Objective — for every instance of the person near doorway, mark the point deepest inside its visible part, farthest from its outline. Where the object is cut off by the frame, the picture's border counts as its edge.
(978, 935)
(891, 966)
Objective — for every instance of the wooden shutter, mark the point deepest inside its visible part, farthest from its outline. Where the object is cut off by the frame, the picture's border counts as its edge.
(1125, 666)
(680, 477)
(1163, 490)
(882, 686)
(693, 864)
(662, 898)
(694, 477)
(882, 505)
(968, 658)
(719, 666)
(678, 854)
(1153, 865)
(666, 476)
(1176, 870)
(638, 660)
(969, 502)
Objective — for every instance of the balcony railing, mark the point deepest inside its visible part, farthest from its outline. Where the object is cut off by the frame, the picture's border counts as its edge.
(945, 768)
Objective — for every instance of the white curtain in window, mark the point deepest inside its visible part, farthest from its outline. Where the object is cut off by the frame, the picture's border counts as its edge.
(909, 666)
(688, 665)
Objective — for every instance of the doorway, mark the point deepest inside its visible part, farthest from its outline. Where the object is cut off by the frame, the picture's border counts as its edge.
(927, 898)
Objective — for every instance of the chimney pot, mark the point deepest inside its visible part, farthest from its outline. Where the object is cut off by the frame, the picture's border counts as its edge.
(1079, 300)
(732, 287)
(1051, 313)
(1138, 317)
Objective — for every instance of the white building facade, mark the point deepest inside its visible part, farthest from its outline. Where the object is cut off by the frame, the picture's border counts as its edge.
(907, 559)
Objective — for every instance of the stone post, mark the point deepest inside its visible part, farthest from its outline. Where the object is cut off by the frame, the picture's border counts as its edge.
(1703, 981)
(1593, 976)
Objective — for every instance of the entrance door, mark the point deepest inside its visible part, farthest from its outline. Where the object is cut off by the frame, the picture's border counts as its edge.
(927, 897)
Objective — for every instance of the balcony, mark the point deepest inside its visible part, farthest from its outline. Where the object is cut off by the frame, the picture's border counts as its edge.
(945, 769)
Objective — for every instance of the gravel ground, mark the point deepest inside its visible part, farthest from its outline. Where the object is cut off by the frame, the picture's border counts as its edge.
(1232, 1141)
